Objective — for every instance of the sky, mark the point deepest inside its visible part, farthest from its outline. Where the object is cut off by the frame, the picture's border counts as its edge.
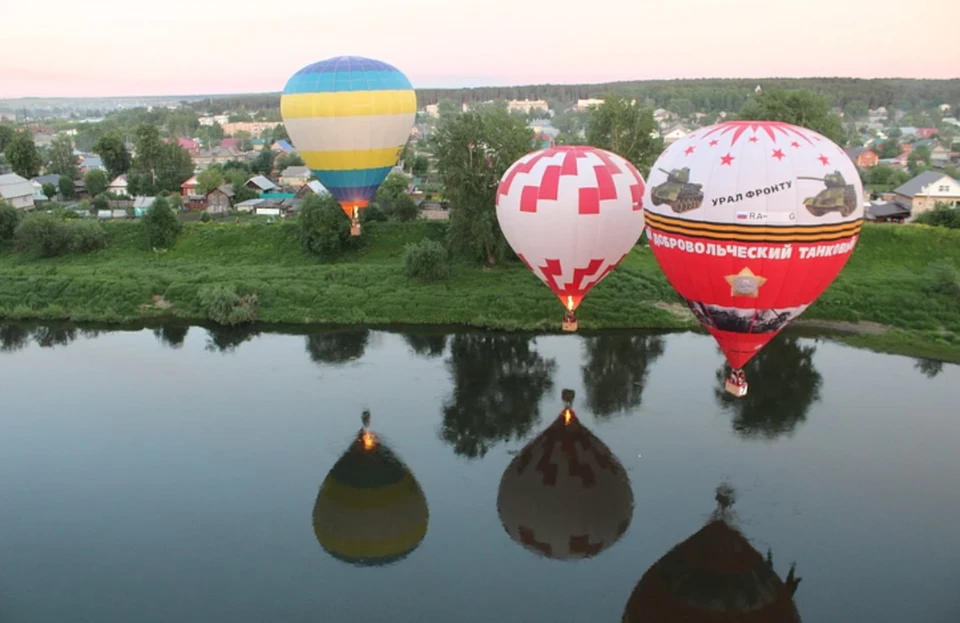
(185, 47)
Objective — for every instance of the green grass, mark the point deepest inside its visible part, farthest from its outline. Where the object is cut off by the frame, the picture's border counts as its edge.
(887, 281)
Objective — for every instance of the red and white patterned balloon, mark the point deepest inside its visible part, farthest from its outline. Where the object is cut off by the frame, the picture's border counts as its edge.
(571, 213)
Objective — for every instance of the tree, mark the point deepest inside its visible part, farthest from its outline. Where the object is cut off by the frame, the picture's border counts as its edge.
(420, 166)
(7, 133)
(405, 208)
(473, 152)
(172, 335)
(175, 168)
(324, 228)
(49, 190)
(280, 133)
(390, 191)
(289, 160)
(161, 224)
(9, 219)
(22, 155)
(66, 188)
(498, 382)
(447, 108)
(238, 179)
(61, 159)
(799, 107)
(626, 129)
(616, 371)
(208, 180)
(930, 368)
(112, 149)
(263, 164)
(144, 169)
(426, 345)
(95, 182)
(783, 385)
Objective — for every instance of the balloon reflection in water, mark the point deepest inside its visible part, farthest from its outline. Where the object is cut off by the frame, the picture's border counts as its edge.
(565, 496)
(370, 510)
(715, 576)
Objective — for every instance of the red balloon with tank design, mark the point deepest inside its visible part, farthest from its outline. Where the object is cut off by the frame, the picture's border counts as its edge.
(571, 213)
(751, 221)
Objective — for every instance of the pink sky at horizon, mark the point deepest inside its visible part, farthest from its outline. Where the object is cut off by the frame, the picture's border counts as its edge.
(100, 49)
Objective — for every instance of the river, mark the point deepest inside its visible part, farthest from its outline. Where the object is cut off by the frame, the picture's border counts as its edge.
(173, 475)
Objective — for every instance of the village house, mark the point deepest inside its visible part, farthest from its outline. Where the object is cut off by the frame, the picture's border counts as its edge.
(260, 184)
(118, 186)
(674, 134)
(16, 191)
(295, 176)
(311, 187)
(525, 106)
(217, 155)
(863, 157)
(283, 147)
(218, 200)
(939, 156)
(192, 146)
(925, 191)
(90, 162)
(253, 128)
(189, 187)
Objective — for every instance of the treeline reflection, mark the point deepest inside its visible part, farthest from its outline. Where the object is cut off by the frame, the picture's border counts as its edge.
(498, 380)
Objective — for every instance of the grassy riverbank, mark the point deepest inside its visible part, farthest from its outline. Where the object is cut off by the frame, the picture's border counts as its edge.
(890, 281)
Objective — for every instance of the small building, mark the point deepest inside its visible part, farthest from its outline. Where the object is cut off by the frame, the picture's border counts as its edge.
(250, 205)
(118, 186)
(313, 186)
(886, 212)
(260, 184)
(282, 146)
(192, 146)
(925, 191)
(939, 156)
(17, 191)
(863, 157)
(674, 134)
(90, 162)
(295, 176)
(218, 200)
(189, 187)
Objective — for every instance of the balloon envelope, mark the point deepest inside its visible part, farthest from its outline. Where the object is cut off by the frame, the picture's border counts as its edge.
(715, 576)
(349, 118)
(370, 510)
(750, 222)
(571, 213)
(565, 496)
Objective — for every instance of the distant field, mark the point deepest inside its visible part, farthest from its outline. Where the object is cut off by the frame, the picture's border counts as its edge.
(888, 281)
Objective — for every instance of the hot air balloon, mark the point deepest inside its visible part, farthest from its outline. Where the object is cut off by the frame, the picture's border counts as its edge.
(571, 213)
(370, 510)
(715, 576)
(565, 496)
(349, 118)
(751, 221)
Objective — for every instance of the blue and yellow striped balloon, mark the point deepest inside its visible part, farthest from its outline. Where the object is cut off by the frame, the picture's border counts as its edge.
(349, 118)
(370, 510)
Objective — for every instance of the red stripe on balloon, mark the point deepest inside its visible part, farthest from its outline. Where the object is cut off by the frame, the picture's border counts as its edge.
(589, 201)
(608, 189)
(570, 163)
(550, 183)
(528, 198)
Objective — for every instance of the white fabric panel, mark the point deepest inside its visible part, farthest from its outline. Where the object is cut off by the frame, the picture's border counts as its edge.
(357, 133)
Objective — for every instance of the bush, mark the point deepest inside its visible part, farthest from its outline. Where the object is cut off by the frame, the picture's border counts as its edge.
(84, 236)
(49, 190)
(426, 260)
(205, 217)
(324, 228)
(372, 213)
(941, 216)
(9, 219)
(161, 224)
(405, 208)
(944, 278)
(225, 306)
(45, 235)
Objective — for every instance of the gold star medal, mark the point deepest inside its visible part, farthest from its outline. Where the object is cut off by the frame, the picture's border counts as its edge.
(745, 283)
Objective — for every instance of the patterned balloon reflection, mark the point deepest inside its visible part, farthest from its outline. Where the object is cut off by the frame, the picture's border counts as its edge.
(715, 576)
(370, 510)
(565, 496)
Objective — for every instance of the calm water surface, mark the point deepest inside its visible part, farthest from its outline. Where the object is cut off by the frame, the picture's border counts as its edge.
(174, 476)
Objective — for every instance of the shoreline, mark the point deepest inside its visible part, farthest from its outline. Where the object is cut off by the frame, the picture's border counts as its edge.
(883, 300)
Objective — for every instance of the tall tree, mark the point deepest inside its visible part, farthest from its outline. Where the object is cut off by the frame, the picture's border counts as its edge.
(22, 155)
(112, 149)
(95, 182)
(209, 179)
(473, 152)
(145, 169)
(627, 129)
(66, 188)
(799, 107)
(61, 159)
(7, 132)
(337, 347)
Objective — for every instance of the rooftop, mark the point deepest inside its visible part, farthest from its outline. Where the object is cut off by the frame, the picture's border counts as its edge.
(916, 185)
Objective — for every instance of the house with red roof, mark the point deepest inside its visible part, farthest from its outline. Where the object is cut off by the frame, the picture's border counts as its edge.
(189, 187)
(191, 145)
